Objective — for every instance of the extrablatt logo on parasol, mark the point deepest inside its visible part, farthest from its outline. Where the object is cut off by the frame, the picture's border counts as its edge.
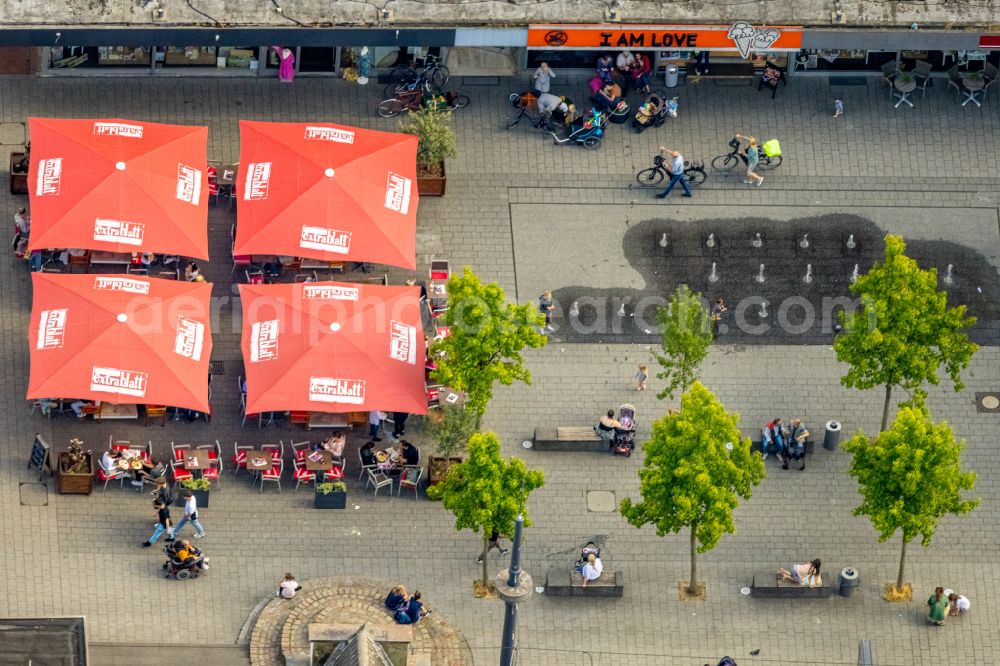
(51, 329)
(258, 179)
(327, 240)
(118, 129)
(49, 176)
(128, 285)
(324, 292)
(330, 389)
(264, 341)
(335, 134)
(190, 338)
(188, 184)
(116, 380)
(397, 193)
(402, 342)
(118, 231)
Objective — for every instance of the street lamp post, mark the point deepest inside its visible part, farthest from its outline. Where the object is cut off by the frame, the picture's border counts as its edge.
(513, 586)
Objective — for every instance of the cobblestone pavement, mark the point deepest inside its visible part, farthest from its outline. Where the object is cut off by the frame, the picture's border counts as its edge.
(71, 555)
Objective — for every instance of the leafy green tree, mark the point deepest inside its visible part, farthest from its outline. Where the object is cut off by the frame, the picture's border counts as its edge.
(696, 467)
(486, 340)
(686, 333)
(910, 477)
(904, 330)
(487, 492)
(436, 140)
(451, 427)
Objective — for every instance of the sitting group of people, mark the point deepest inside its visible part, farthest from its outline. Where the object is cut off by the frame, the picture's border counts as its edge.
(788, 442)
(146, 470)
(944, 603)
(405, 609)
(627, 68)
(404, 454)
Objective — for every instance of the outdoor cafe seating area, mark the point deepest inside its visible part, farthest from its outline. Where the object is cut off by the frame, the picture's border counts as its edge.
(319, 209)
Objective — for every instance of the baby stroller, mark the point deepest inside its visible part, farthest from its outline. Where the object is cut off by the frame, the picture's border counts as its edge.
(624, 440)
(587, 130)
(183, 569)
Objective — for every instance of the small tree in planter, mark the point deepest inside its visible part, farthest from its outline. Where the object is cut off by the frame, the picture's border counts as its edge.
(436, 142)
(330, 495)
(487, 493)
(199, 487)
(75, 475)
(451, 427)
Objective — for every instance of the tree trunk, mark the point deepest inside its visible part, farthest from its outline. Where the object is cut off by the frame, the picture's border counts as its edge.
(486, 546)
(693, 582)
(885, 407)
(902, 565)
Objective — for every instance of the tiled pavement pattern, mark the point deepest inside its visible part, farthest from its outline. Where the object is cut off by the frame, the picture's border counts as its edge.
(937, 155)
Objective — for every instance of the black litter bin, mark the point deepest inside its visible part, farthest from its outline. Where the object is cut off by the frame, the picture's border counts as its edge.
(848, 581)
(832, 437)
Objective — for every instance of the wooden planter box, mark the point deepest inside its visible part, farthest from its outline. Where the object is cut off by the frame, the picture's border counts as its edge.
(438, 467)
(74, 484)
(332, 500)
(19, 181)
(429, 185)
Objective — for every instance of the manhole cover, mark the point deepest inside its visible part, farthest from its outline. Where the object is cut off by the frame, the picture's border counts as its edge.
(988, 402)
(33, 494)
(600, 501)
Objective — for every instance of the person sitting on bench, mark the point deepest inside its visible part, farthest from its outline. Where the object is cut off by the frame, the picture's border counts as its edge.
(772, 439)
(795, 443)
(606, 427)
(591, 569)
(803, 574)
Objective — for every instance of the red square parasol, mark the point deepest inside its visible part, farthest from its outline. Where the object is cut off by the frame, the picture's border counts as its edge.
(118, 186)
(327, 192)
(120, 338)
(333, 347)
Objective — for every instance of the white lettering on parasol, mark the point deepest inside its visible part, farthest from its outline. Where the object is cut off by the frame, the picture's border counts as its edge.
(188, 184)
(190, 338)
(327, 292)
(118, 231)
(51, 329)
(258, 178)
(118, 129)
(329, 389)
(115, 380)
(128, 285)
(264, 341)
(314, 133)
(402, 342)
(327, 240)
(397, 193)
(49, 176)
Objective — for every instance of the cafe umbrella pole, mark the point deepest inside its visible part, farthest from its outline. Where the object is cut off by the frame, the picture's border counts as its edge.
(513, 586)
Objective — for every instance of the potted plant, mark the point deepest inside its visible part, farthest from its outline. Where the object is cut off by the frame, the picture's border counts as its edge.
(436, 142)
(75, 472)
(330, 495)
(451, 427)
(199, 487)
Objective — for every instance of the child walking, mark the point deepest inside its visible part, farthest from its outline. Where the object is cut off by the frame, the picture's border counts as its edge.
(641, 377)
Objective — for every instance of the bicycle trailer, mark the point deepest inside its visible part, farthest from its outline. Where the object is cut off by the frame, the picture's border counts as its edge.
(772, 148)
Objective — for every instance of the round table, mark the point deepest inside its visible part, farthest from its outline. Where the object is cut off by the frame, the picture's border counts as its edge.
(973, 84)
(904, 86)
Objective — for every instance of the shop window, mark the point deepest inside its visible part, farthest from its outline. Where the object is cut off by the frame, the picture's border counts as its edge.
(188, 56)
(317, 58)
(237, 57)
(83, 57)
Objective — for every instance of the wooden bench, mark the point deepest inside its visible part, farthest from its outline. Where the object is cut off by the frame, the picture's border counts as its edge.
(767, 585)
(561, 582)
(568, 438)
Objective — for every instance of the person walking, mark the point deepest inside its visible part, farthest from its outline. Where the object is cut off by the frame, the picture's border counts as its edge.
(399, 424)
(543, 78)
(641, 377)
(752, 154)
(190, 515)
(494, 542)
(676, 173)
(718, 309)
(163, 524)
(546, 307)
(375, 424)
(288, 587)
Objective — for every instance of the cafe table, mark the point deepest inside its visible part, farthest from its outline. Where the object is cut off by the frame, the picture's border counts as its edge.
(319, 461)
(904, 84)
(100, 257)
(111, 411)
(197, 460)
(328, 420)
(973, 84)
(258, 461)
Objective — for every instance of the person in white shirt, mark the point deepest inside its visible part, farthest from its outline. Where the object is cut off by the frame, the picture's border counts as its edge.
(109, 460)
(190, 515)
(958, 604)
(22, 221)
(592, 570)
(624, 60)
(288, 587)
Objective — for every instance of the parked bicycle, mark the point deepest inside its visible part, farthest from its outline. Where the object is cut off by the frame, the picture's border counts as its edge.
(526, 107)
(770, 155)
(414, 100)
(694, 172)
(434, 75)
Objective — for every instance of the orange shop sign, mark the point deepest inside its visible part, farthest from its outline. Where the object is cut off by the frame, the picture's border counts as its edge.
(740, 36)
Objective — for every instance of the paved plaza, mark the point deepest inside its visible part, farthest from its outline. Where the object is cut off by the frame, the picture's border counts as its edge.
(531, 216)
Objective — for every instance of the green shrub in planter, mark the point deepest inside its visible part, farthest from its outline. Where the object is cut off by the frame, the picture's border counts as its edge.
(330, 495)
(199, 487)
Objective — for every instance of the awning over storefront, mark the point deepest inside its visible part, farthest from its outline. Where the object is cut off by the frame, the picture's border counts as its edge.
(739, 36)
